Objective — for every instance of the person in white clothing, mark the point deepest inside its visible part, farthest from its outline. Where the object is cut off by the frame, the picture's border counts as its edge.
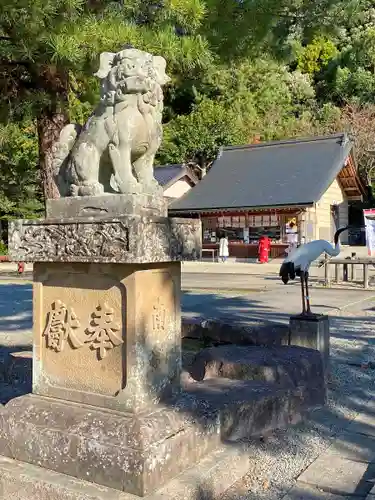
(223, 248)
(292, 238)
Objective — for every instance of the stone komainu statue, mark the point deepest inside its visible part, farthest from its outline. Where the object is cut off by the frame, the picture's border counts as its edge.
(114, 151)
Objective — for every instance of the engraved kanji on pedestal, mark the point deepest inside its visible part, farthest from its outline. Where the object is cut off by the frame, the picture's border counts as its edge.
(103, 330)
(101, 335)
(61, 325)
(159, 316)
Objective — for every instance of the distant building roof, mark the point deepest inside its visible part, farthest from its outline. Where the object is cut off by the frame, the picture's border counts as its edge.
(274, 174)
(166, 175)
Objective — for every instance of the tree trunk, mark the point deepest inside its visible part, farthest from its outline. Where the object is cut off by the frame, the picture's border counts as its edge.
(49, 123)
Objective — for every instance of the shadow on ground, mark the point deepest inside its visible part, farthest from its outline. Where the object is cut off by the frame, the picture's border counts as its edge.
(15, 307)
(271, 306)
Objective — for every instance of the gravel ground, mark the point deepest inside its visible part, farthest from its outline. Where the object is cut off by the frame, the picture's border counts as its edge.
(280, 458)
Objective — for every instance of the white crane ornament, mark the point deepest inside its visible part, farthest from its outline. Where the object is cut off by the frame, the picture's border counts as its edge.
(298, 264)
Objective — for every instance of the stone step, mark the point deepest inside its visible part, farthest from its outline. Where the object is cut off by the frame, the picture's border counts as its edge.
(210, 478)
(288, 366)
(247, 408)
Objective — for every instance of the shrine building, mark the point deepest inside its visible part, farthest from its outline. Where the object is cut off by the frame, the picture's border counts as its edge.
(260, 188)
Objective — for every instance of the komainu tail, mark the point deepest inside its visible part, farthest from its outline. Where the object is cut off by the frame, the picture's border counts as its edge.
(287, 272)
(61, 151)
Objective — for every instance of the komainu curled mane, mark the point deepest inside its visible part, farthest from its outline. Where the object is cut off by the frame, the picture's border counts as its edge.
(114, 151)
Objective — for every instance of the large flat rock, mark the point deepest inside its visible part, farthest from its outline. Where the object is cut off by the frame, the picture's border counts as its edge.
(287, 366)
(246, 408)
(139, 453)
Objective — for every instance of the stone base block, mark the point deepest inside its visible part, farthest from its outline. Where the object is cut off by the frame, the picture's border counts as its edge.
(311, 331)
(115, 205)
(209, 478)
(136, 454)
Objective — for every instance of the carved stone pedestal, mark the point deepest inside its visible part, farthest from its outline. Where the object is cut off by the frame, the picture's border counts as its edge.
(107, 352)
(107, 334)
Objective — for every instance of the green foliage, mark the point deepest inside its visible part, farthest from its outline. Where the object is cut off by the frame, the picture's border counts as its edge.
(316, 55)
(198, 136)
(354, 86)
(248, 28)
(347, 77)
(233, 104)
(188, 15)
(3, 249)
(19, 175)
(83, 95)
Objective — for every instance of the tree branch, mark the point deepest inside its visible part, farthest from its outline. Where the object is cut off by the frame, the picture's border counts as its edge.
(6, 62)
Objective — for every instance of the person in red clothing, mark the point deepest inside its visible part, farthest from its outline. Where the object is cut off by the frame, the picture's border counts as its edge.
(264, 247)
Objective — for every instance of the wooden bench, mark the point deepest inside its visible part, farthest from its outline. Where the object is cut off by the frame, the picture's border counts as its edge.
(349, 268)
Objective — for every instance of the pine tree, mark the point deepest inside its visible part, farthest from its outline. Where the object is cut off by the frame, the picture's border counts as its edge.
(49, 50)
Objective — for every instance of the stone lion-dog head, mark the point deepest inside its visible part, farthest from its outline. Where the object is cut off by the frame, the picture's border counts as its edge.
(130, 71)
